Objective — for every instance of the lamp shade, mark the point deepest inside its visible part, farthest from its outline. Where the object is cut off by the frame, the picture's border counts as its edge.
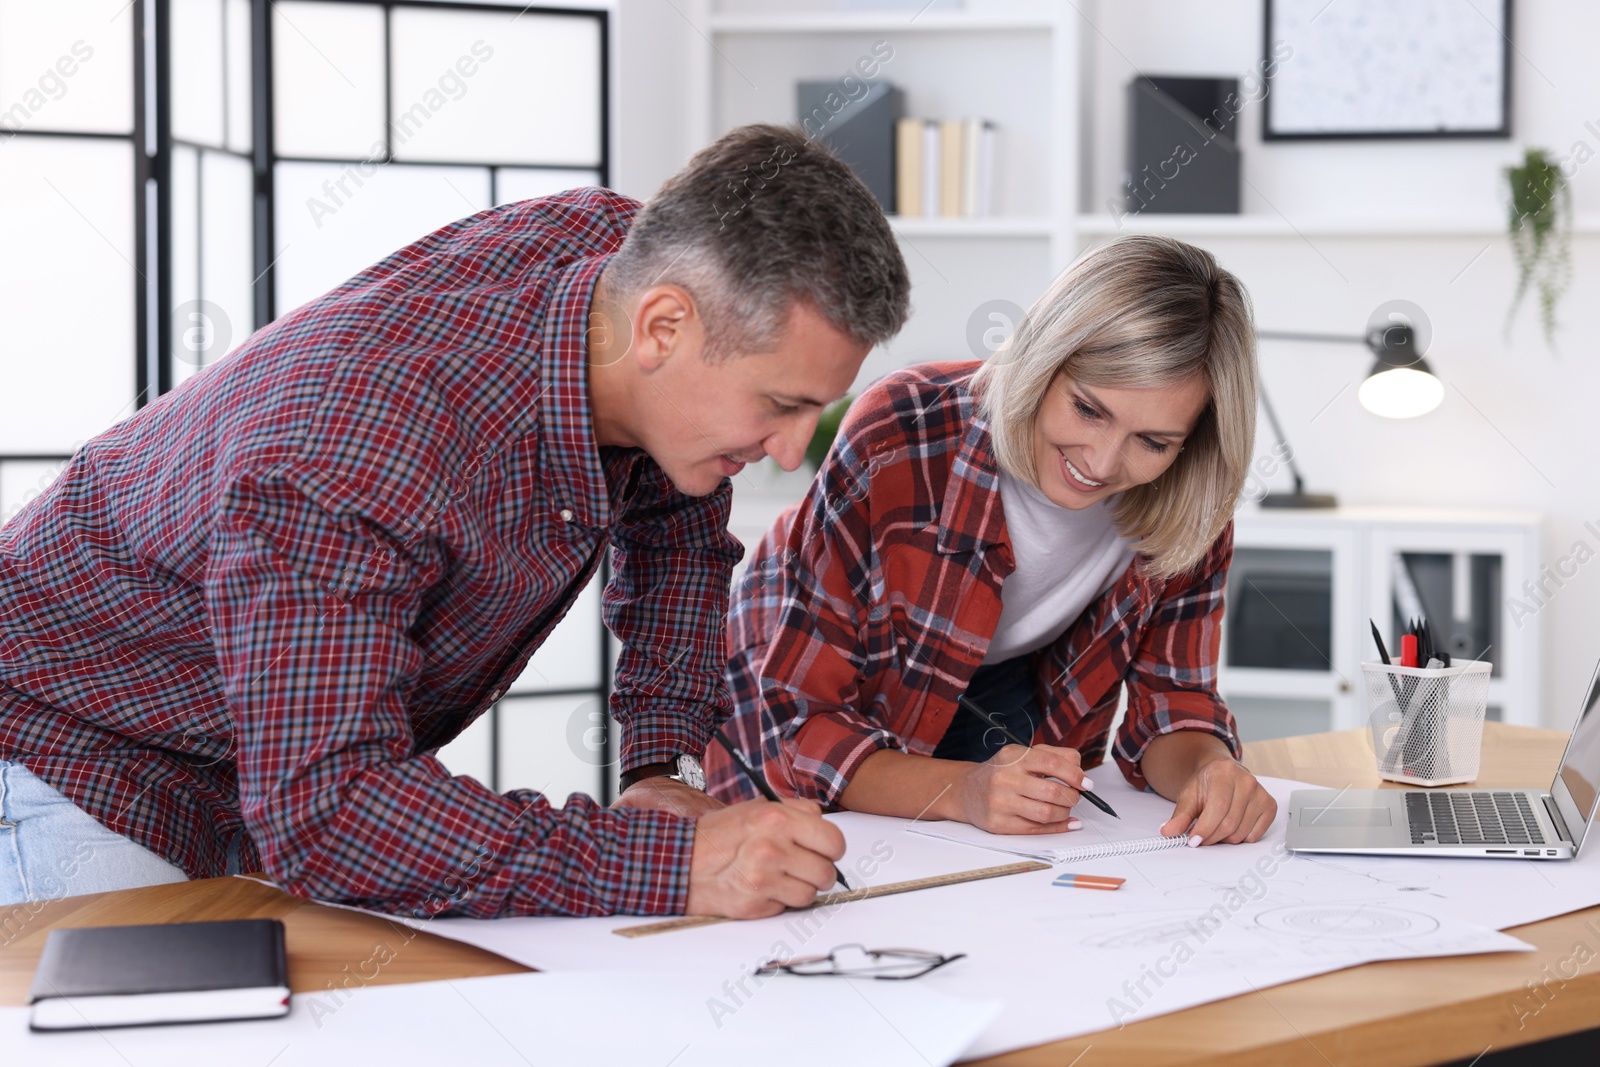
(1401, 392)
(1400, 384)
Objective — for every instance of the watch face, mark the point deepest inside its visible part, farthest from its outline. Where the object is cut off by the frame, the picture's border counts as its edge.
(690, 771)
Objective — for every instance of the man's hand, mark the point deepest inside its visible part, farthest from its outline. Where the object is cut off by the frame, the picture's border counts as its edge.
(1222, 801)
(1021, 791)
(754, 859)
(667, 794)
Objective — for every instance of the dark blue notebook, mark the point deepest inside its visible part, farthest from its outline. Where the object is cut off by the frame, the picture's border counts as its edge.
(104, 976)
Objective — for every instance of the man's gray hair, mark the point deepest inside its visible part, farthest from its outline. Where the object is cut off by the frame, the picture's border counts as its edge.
(763, 218)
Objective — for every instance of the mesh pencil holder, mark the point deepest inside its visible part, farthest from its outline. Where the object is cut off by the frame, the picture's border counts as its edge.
(1427, 725)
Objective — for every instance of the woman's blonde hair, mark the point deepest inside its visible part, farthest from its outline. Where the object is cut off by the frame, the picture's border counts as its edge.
(1140, 311)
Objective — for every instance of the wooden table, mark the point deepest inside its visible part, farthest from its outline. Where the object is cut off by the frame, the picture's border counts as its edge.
(1399, 1012)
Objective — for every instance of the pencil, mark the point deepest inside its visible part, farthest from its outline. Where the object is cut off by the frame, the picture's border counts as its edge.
(972, 706)
(761, 784)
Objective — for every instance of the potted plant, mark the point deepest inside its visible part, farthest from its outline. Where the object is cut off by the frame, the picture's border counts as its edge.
(1541, 235)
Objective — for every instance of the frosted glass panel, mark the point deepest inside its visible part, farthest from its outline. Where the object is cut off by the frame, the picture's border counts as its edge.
(525, 183)
(238, 74)
(504, 88)
(198, 86)
(329, 227)
(185, 258)
(66, 66)
(66, 291)
(21, 481)
(470, 754)
(226, 259)
(551, 744)
(328, 67)
(570, 656)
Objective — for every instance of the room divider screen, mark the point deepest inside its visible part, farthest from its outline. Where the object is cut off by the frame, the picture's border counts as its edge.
(176, 173)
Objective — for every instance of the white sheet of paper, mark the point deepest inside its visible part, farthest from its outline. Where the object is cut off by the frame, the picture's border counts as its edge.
(1190, 926)
(575, 1018)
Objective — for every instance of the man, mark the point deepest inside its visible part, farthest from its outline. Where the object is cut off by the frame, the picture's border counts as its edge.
(236, 629)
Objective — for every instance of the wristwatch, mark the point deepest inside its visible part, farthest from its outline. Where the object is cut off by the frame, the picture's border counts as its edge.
(690, 773)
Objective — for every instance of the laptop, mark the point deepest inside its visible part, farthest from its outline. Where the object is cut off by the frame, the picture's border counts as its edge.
(1497, 823)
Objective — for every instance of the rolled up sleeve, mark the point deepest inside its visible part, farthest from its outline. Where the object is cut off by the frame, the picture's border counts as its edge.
(811, 678)
(1172, 681)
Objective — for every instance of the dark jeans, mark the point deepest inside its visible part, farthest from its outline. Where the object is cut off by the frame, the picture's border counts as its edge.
(1006, 691)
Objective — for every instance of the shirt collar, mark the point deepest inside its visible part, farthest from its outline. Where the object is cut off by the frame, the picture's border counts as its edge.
(573, 473)
(971, 516)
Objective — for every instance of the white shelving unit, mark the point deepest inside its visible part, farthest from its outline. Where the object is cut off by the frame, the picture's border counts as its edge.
(1015, 62)
(1104, 225)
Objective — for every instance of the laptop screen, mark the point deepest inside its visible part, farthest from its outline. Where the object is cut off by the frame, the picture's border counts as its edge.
(1580, 765)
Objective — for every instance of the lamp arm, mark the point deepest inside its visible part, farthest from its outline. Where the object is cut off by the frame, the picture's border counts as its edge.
(1272, 416)
(1294, 468)
(1331, 338)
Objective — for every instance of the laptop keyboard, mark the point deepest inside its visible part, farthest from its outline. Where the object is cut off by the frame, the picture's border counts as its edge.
(1471, 817)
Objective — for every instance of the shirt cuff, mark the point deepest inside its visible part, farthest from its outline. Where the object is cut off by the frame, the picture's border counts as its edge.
(661, 737)
(647, 869)
(1131, 744)
(828, 749)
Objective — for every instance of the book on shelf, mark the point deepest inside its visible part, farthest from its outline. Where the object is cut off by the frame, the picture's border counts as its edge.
(950, 133)
(908, 167)
(930, 169)
(944, 168)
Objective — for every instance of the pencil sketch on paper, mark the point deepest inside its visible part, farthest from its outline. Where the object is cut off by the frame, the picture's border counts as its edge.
(1371, 928)
(1347, 922)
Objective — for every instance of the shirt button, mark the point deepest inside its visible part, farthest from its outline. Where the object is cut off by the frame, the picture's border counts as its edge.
(495, 695)
(566, 514)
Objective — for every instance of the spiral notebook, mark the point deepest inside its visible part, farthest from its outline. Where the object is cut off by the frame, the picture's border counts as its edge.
(1051, 848)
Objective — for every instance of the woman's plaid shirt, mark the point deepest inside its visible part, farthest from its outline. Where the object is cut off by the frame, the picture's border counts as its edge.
(866, 609)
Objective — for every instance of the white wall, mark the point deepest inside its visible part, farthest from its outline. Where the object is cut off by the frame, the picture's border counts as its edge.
(652, 79)
(1516, 428)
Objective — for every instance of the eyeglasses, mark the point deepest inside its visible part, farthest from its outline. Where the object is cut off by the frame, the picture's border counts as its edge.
(891, 964)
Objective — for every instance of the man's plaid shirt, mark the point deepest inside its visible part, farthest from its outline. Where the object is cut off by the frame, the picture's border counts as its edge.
(252, 612)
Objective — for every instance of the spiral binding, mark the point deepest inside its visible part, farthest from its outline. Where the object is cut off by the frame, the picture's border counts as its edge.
(1118, 848)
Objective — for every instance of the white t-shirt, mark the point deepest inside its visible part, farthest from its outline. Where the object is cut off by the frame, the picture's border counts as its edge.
(1065, 559)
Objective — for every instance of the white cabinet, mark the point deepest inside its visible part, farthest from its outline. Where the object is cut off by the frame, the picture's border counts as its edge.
(1304, 585)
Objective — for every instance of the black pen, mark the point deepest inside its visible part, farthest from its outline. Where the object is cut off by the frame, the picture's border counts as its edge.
(1005, 732)
(1383, 654)
(761, 784)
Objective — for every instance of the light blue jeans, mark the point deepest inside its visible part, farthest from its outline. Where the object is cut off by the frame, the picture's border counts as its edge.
(51, 848)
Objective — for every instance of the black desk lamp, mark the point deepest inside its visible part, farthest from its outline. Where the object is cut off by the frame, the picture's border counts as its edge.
(1400, 385)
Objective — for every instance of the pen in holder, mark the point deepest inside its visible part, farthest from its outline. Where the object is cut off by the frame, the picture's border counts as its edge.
(1427, 723)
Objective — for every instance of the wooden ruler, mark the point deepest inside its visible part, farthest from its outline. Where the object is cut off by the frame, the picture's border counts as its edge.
(829, 899)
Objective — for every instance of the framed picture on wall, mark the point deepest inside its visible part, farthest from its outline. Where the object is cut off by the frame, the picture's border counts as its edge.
(1386, 68)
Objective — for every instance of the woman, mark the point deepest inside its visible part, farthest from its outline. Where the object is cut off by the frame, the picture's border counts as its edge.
(1034, 532)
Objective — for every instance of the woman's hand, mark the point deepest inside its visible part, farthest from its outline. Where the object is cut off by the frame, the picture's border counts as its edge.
(1022, 791)
(1222, 801)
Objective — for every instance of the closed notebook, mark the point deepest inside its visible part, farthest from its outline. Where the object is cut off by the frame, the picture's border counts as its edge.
(104, 976)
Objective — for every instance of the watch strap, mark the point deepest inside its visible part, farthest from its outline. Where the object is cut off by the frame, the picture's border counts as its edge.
(647, 770)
